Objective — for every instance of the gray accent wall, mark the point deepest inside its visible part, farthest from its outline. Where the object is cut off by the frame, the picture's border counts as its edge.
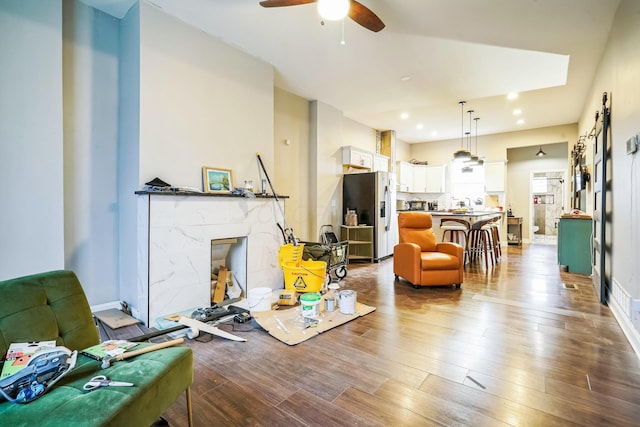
(31, 147)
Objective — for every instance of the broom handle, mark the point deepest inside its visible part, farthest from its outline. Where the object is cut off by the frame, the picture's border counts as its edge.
(275, 196)
(149, 349)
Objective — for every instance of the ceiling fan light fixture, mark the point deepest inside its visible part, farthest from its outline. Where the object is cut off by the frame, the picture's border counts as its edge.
(333, 10)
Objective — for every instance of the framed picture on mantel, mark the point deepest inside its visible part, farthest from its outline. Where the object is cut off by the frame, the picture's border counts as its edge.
(217, 180)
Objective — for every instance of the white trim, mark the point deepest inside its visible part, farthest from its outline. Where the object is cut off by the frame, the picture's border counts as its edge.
(106, 306)
(621, 315)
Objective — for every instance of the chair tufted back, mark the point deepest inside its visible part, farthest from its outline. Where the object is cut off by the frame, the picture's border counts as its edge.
(415, 227)
(46, 306)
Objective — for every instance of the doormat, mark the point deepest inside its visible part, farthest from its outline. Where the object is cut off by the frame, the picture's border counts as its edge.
(287, 325)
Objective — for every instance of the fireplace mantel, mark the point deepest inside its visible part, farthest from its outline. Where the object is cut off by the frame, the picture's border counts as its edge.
(175, 230)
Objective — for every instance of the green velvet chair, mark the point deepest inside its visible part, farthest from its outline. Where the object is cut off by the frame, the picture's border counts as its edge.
(53, 306)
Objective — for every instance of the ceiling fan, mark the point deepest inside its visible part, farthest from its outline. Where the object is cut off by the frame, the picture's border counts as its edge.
(357, 11)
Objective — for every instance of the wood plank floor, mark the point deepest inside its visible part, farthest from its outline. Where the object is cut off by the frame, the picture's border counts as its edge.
(512, 347)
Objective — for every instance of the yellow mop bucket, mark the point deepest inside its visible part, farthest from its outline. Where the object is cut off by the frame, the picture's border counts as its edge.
(304, 276)
(290, 253)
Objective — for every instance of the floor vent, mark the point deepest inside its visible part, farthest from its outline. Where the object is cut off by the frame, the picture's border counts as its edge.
(570, 286)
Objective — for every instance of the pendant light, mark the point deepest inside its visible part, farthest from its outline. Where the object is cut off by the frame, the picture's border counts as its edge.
(473, 159)
(462, 153)
(480, 162)
(541, 153)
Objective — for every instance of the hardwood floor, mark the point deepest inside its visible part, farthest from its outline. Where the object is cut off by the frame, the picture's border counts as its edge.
(513, 347)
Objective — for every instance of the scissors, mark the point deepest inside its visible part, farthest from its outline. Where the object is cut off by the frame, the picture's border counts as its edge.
(103, 381)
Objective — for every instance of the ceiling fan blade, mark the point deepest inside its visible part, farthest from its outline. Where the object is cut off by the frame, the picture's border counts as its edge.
(280, 3)
(365, 17)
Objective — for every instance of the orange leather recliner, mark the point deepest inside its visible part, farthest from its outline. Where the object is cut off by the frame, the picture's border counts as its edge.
(422, 261)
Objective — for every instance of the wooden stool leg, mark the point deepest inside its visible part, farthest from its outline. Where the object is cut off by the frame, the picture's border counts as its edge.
(498, 243)
(189, 410)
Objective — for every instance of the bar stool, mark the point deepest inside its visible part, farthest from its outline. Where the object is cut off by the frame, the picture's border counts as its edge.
(457, 231)
(495, 232)
(481, 242)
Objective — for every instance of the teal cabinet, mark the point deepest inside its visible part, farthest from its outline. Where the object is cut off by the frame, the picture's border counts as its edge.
(574, 244)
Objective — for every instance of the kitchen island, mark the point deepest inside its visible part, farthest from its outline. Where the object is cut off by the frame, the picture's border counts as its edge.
(472, 217)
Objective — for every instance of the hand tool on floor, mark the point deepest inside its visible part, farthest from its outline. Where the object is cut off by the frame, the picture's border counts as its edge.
(207, 315)
(201, 326)
(108, 360)
(102, 381)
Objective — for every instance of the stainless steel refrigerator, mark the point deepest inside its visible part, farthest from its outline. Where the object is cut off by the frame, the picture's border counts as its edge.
(372, 196)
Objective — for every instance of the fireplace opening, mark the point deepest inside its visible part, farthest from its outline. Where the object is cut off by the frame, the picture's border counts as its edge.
(228, 269)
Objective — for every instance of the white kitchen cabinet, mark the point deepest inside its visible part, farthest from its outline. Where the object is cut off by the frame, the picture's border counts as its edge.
(494, 176)
(404, 179)
(380, 163)
(436, 178)
(419, 179)
(353, 156)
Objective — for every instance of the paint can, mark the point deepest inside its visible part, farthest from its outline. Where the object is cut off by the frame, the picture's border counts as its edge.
(329, 304)
(310, 303)
(347, 302)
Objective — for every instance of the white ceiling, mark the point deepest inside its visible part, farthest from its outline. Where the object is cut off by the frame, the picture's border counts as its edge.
(452, 50)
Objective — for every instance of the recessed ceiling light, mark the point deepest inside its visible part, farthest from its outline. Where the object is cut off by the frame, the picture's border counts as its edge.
(520, 121)
(512, 95)
(517, 112)
(405, 78)
(419, 126)
(404, 116)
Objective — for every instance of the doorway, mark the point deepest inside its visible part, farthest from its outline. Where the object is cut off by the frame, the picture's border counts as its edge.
(547, 205)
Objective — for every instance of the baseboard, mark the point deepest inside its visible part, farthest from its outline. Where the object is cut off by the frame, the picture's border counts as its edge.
(106, 306)
(620, 311)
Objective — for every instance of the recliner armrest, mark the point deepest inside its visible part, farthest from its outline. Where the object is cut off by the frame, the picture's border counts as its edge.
(410, 250)
(450, 248)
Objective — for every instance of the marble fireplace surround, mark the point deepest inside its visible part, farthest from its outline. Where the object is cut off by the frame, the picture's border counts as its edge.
(174, 247)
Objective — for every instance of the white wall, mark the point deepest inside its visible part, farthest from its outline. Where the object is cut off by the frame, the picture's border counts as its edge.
(619, 75)
(330, 131)
(128, 152)
(90, 99)
(358, 135)
(291, 176)
(201, 103)
(31, 167)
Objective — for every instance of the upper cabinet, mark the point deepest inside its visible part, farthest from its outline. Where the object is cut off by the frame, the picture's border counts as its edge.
(420, 178)
(355, 157)
(494, 176)
(404, 179)
(436, 178)
(380, 163)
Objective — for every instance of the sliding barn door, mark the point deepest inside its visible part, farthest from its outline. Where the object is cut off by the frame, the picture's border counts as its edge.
(601, 259)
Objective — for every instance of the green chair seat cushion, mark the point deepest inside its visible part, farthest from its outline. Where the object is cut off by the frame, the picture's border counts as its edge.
(159, 377)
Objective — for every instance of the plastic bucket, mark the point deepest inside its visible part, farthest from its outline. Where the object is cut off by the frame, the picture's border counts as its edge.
(290, 254)
(306, 276)
(260, 299)
(310, 303)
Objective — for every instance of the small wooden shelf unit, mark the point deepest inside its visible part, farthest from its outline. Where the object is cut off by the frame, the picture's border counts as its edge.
(360, 240)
